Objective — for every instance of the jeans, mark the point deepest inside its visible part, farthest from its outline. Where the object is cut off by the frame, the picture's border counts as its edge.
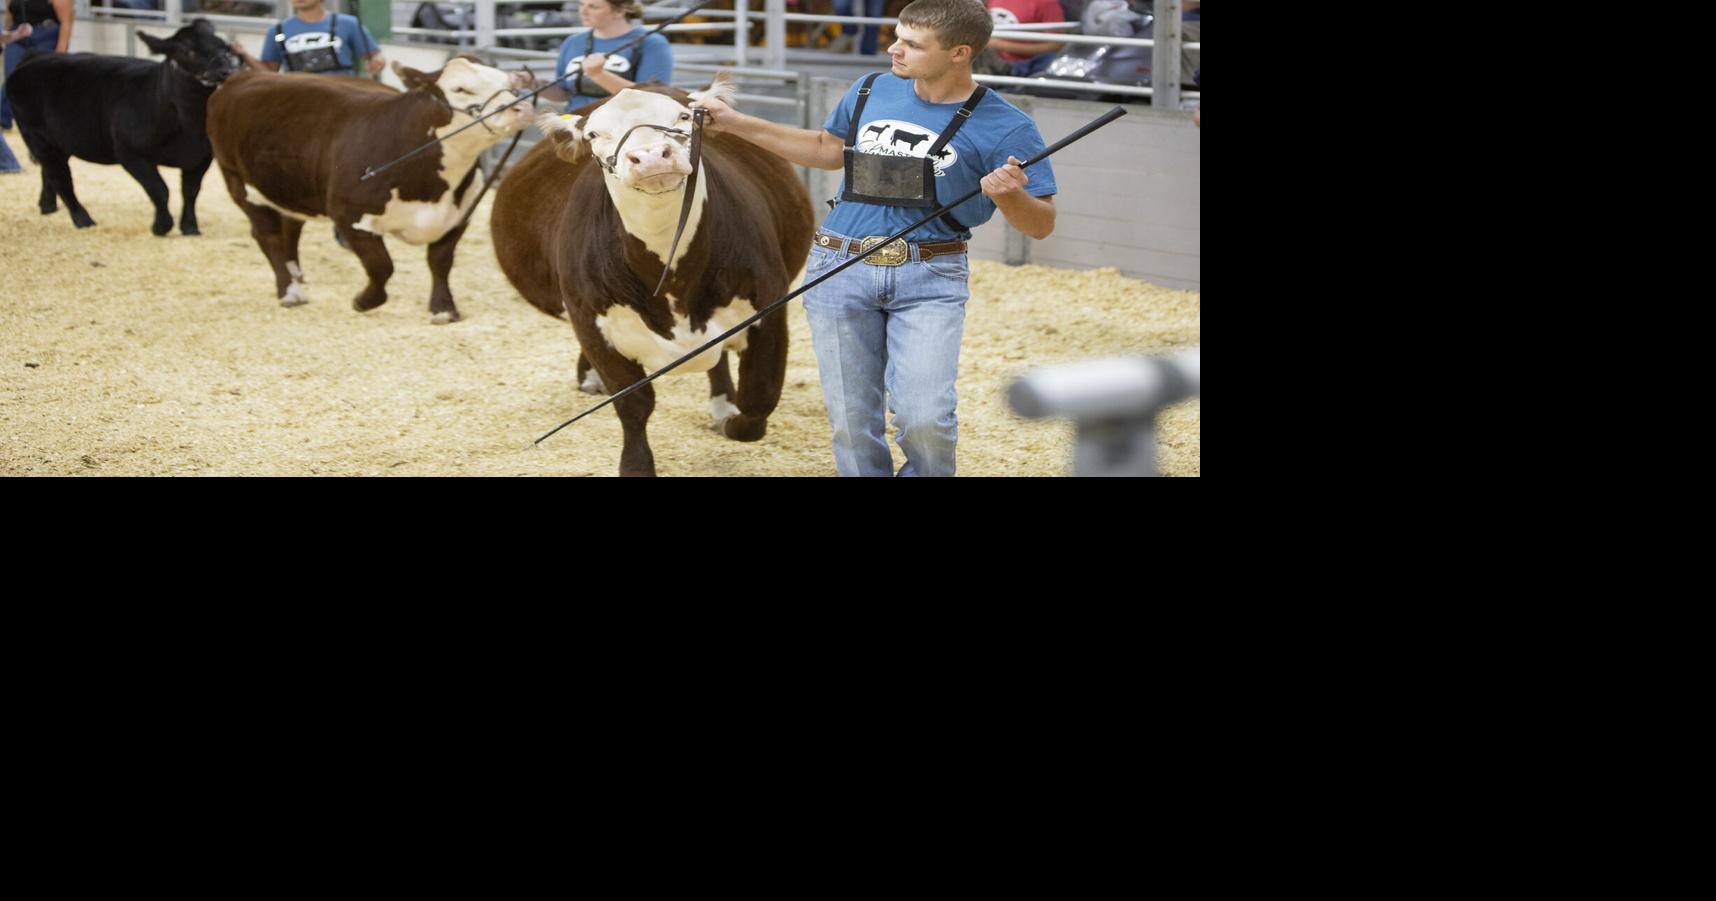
(45, 38)
(873, 9)
(887, 337)
(8, 162)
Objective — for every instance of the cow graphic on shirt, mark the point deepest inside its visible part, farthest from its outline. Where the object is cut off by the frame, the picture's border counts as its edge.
(310, 40)
(896, 137)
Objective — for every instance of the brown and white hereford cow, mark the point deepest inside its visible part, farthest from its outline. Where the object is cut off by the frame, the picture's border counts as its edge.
(295, 148)
(578, 239)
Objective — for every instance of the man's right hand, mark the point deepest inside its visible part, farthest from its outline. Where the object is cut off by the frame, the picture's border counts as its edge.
(719, 117)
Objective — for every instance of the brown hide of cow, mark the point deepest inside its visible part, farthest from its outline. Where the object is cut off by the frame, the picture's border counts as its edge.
(305, 141)
(560, 239)
(563, 244)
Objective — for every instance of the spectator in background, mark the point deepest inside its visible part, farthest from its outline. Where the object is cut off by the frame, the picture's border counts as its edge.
(310, 45)
(1025, 58)
(867, 44)
(8, 162)
(585, 55)
(50, 32)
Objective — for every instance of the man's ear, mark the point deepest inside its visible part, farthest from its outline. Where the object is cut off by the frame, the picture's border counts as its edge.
(962, 53)
(567, 133)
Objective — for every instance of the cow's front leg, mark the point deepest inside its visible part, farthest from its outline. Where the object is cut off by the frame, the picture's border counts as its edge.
(441, 309)
(589, 380)
(372, 251)
(634, 409)
(721, 394)
(150, 178)
(762, 371)
(190, 184)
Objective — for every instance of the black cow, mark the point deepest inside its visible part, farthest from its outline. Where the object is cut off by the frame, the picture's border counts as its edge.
(909, 138)
(136, 113)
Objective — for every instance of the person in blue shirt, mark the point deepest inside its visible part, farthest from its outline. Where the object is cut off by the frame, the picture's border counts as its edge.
(8, 162)
(887, 334)
(315, 40)
(585, 55)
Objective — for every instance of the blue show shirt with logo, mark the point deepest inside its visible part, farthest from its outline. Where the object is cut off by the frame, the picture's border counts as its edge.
(655, 64)
(302, 35)
(898, 122)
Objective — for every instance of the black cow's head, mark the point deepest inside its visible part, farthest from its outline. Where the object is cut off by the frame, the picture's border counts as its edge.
(196, 51)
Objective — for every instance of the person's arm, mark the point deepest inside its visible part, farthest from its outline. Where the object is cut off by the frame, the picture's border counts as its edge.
(251, 62)
(374, 62)
(272, 55)
(609, 81)
(1035, 216)
(816, 149)
(1025, 48)
(66, 13)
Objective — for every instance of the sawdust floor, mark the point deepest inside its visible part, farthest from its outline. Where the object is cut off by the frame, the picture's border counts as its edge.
(126, 354)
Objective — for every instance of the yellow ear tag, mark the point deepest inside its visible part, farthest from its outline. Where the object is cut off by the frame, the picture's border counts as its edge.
(565, 115)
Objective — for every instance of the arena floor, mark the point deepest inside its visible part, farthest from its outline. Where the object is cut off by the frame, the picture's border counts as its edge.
(128, 354)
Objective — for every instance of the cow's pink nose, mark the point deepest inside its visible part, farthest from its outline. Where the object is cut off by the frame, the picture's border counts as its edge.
(658, 152)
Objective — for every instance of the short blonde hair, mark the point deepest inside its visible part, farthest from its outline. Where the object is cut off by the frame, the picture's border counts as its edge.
(954, 22)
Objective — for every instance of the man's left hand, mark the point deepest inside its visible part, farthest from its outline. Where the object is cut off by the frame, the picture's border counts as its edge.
(1006, 180)
(376, 63)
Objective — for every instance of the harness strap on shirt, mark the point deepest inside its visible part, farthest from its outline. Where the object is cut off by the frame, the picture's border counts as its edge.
(280, 38)
(589, 48)
(960, 117)
(858, 111)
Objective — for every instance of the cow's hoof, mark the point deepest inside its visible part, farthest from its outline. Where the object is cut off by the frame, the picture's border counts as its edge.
(745, 428)
(160, 229)
(369, 300)
(83, 222)
(192, 232)
(445, 317)
(295, 296)
(722, 411)
(592, 384)
(48, 209)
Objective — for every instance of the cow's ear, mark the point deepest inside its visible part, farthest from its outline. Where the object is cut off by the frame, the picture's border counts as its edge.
(155, 44)
(411, 78)
(567, 133)
(721, 87)
(203, 25)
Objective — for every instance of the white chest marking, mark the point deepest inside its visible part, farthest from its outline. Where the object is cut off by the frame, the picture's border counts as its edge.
(652, 218)
(420, 221)
(626, 332)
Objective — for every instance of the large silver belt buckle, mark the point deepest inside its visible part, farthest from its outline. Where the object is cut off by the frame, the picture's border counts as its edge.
(892, 255)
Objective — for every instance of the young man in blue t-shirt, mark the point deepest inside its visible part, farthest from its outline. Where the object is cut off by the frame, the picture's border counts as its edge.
(314, 43)
(887, 335)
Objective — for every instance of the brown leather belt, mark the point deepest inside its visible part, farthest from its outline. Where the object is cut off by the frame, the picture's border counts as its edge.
(892, 255)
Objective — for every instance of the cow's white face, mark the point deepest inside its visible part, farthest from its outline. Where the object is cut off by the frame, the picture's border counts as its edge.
(466, 84)
(652, 161)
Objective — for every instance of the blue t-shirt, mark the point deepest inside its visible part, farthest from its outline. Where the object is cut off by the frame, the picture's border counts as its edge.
(302, 35)
(897, 121)
(650, 61)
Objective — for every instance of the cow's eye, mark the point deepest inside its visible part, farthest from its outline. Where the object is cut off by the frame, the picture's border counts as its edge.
(684, 117)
